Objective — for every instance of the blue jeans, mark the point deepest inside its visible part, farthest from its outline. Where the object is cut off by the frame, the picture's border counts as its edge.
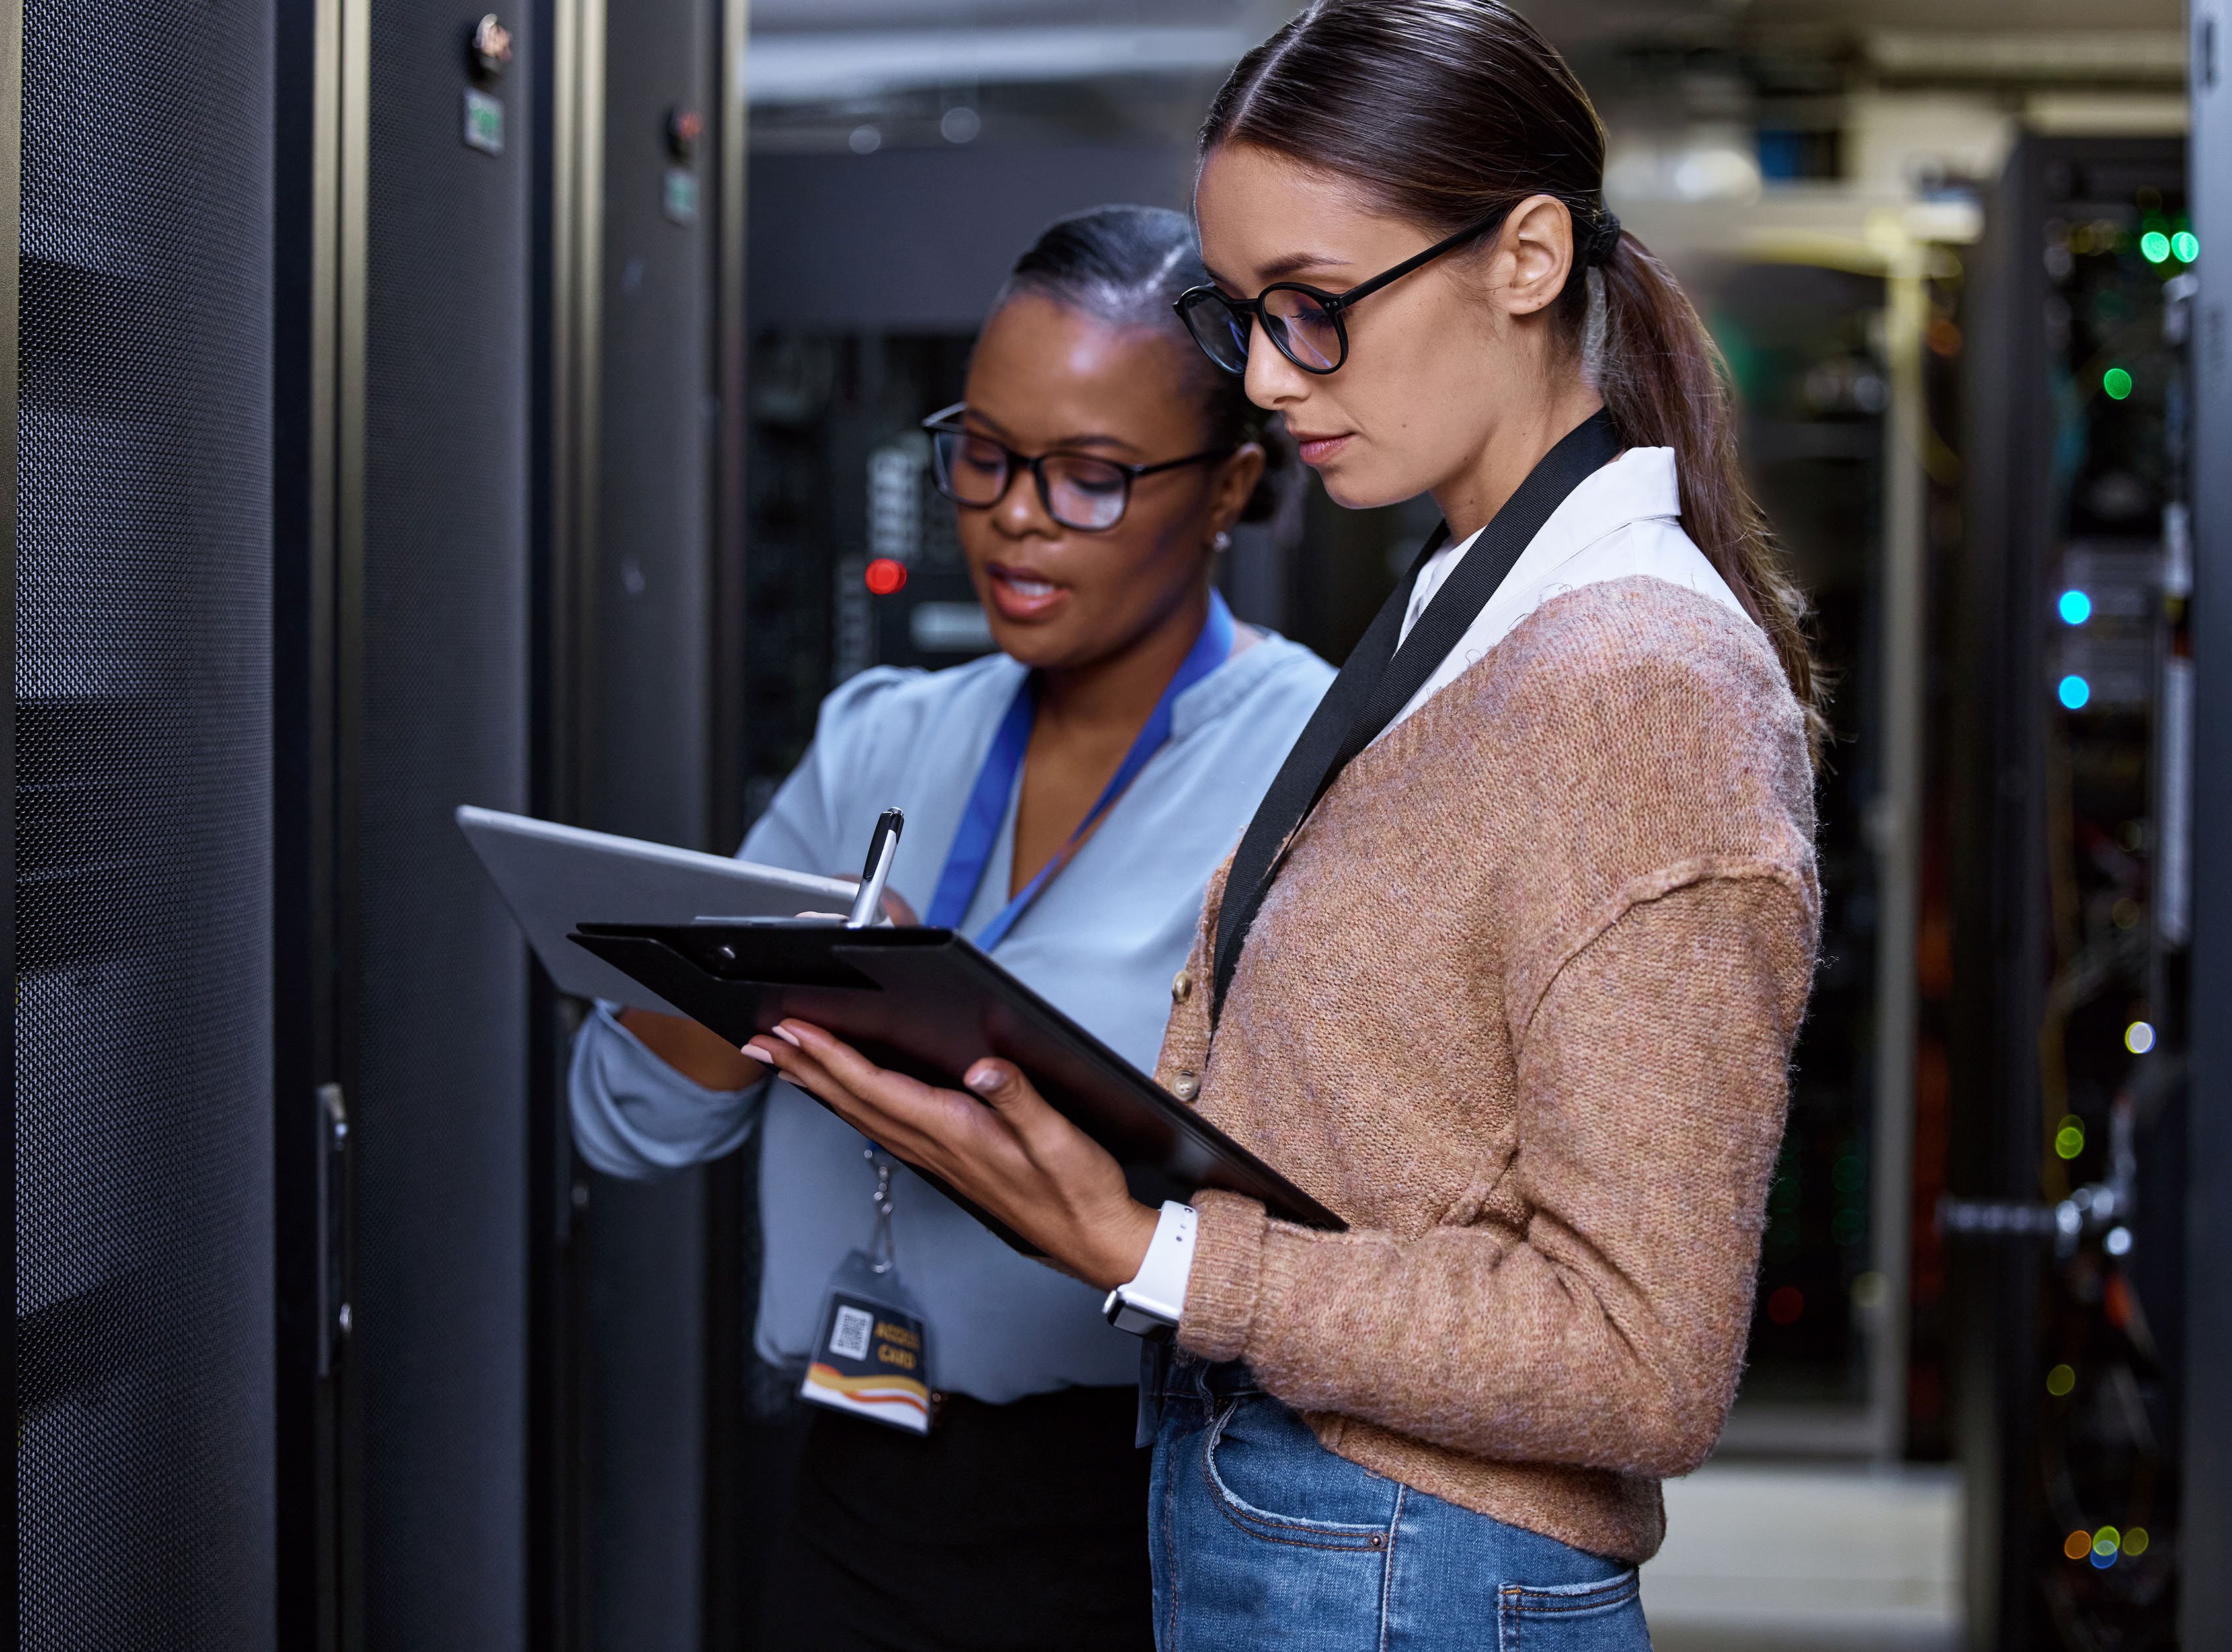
(1261, 1538)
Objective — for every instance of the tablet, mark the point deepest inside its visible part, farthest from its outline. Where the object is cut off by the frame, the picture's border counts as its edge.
(555, 877)
(926, 1002)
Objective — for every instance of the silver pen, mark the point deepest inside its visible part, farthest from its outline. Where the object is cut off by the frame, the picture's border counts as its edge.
(883, 849)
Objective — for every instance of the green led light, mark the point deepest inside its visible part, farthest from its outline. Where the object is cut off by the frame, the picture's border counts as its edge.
(2116, 382)
(2069, 1140)
(2154, 245)
(2060, 1381)
(2185, 246)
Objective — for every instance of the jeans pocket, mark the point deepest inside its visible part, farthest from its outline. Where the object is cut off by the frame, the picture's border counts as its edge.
(1257, 1453)
(1605, 1615)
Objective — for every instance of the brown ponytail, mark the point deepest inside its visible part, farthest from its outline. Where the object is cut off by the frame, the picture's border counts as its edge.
(1447, 111)
(1664, 383)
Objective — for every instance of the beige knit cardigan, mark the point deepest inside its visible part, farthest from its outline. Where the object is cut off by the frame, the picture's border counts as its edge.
(1518, 1007)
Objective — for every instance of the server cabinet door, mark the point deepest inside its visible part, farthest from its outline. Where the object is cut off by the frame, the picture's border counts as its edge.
(142, 752)
(636, 560)
(2064, 1032)
(2203, 748)
(433, 713)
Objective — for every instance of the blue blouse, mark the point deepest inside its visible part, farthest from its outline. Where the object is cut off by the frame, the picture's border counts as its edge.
(1101, 943)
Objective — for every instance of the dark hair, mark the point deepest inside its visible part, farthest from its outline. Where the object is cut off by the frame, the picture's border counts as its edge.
(1125, 266)
(1447, 111)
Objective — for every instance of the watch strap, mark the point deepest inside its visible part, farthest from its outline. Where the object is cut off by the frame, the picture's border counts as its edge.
(1154, 1300)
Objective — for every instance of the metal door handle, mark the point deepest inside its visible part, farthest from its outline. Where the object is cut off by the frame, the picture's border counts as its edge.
(333, 1229)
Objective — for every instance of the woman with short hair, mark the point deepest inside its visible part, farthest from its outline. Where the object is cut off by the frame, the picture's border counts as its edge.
(1066, 799)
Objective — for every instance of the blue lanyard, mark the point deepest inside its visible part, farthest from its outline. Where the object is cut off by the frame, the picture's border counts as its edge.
(996, 783)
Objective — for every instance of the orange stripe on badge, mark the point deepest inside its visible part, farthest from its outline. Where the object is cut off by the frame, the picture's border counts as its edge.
(902, 1390)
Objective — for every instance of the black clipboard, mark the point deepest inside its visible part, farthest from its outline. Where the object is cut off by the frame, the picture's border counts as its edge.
(926, 1002)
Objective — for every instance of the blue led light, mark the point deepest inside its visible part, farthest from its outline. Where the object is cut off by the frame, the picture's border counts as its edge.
(2074, 691)
(2075, 607)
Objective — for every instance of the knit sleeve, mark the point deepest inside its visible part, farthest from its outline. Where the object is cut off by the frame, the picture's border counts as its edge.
(1600, 1321)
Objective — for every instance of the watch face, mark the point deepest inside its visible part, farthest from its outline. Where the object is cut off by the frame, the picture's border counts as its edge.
(1126, 1314)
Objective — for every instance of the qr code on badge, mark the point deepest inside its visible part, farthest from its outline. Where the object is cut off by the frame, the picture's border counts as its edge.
(848, 1338)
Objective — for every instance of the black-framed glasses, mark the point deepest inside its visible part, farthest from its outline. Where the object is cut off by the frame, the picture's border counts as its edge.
(1304, 323)
(1080, 490)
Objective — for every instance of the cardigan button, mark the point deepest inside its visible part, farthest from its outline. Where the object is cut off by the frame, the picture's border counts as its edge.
(1185, 1086)
(1181, 986)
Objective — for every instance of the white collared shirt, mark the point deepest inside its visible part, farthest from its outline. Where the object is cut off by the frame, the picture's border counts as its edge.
(1622, 521)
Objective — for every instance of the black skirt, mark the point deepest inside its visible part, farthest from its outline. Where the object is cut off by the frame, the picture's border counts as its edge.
(1011, 1528)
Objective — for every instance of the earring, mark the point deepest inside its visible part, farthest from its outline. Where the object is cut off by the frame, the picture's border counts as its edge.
(1220, 541)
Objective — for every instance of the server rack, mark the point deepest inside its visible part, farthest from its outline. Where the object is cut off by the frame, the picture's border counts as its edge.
(2205, 1585)
(400, 404)
(310, 1180)
(135, 446)
(430, 679)
(11, 177)
(2068, 778)
(1816, 362)
(634, 1346)
(280, 1141)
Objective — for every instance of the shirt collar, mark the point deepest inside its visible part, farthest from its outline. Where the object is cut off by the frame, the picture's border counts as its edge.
(1232, 682)
(1640, 485)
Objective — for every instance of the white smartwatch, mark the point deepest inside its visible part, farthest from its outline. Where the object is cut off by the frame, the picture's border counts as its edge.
(1151, 1305)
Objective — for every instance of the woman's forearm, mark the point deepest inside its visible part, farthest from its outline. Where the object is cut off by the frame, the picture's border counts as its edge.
(695, 1051)
(635, 1115)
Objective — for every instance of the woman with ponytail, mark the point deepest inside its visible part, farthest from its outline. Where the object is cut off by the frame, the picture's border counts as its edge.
(1507, 969)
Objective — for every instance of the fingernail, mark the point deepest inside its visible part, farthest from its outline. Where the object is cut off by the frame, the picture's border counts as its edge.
(756, 1054)
(983, 1076)
(788, 1037)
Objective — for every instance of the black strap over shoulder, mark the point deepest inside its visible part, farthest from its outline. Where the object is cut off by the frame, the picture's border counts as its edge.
(1378, 679)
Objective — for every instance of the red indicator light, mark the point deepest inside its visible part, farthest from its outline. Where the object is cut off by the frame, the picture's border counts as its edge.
(886, 577)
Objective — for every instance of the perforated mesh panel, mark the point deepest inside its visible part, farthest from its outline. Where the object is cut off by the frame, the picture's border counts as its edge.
(440, 1308)
(645, 698)
(143, 1156)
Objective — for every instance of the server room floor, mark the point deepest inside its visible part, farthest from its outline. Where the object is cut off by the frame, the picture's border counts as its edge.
(1808, 1558)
